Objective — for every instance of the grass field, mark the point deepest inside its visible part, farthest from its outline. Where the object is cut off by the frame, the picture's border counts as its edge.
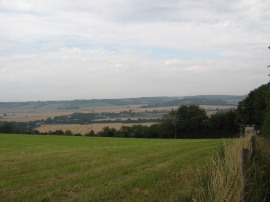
(68, 168)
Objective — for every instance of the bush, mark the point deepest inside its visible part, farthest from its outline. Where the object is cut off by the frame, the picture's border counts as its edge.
(68, 133)
(91, 133)
(78, 134)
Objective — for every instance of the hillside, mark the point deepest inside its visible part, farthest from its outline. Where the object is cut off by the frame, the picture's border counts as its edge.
(146, 101)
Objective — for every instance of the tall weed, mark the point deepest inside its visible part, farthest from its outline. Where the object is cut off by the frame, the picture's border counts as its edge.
(222, 180)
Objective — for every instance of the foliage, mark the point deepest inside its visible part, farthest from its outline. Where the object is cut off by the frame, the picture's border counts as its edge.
(192, 122)
(57, 132)
(68, 132)
(87, 118)
(75, 118)
(222, 124)
(252, 109)
(17, 127)
(91, 133)
(107, 132)
(266, 122)
(222, 180)
(185, 122)
(6, 128)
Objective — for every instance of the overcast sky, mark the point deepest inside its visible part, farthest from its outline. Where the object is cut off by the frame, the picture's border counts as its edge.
(86, 49)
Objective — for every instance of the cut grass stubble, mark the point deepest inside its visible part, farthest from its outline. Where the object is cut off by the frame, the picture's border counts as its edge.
(52, 168)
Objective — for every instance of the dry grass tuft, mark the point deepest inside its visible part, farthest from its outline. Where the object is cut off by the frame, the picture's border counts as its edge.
(222, 181)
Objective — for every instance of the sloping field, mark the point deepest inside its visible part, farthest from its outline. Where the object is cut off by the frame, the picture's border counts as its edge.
(69, 168)
(84, 129)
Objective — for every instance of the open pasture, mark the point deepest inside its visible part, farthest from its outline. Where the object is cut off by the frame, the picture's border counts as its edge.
(69, 168)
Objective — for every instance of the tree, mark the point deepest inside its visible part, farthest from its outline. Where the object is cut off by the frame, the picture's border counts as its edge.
(266, 121)
(124, 131)
(223, 124)
(68, 133)
(139, 131)
(154, 131)
(252, 109)
(6, 128)
(107, 132)
(58, 132)
(186, 121)
(172, 119)
(91, 133)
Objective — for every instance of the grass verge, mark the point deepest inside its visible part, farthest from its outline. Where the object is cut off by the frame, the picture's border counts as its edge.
(222, 179)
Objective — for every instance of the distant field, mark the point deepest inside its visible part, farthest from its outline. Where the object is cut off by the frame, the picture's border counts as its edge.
(32, 115)
(64, 168)
(84, 129)
(25, 114)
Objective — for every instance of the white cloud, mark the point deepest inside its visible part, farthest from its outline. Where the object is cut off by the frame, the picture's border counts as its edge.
(128, 48)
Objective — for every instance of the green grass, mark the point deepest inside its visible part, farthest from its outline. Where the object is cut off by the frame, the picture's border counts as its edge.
(61, 168)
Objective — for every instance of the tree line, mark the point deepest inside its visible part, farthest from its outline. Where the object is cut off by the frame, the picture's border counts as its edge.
(188, 121)
(88, 118)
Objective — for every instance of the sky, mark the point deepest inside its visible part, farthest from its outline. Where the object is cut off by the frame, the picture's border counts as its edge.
(86, 49)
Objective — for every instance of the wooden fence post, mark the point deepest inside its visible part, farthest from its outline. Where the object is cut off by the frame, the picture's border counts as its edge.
(244, 175)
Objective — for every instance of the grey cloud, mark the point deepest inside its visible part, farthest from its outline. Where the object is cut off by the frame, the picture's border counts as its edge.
(88, 44)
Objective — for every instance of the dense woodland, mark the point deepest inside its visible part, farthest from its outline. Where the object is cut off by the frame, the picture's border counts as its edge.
(255, 109)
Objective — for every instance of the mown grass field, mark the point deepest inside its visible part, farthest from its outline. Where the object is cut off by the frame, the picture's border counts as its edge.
(68, 168)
